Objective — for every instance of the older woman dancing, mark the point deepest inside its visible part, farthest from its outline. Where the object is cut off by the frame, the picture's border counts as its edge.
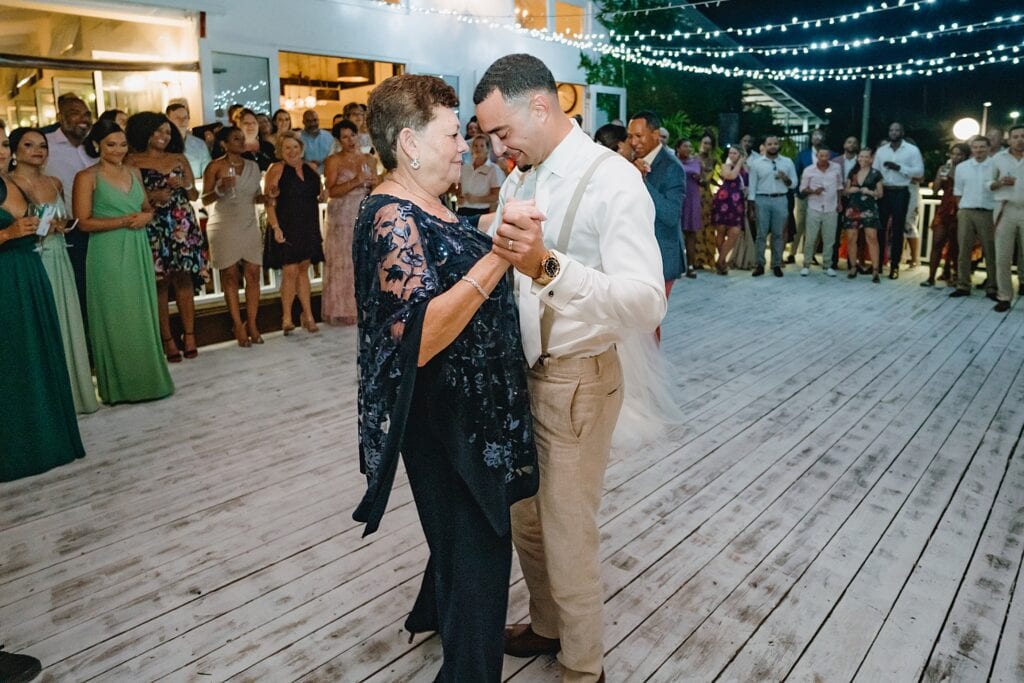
(442, 377)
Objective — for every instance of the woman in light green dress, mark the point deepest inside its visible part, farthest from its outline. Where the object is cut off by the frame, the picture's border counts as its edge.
(123, 324)
(30, 156)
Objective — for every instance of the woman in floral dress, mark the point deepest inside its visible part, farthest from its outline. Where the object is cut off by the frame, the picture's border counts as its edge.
(707, 241)
(863, 190)
(729, 206)
(179, 247)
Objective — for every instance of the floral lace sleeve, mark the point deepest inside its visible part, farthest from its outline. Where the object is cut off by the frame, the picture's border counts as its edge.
(394, 282)
(404, 276)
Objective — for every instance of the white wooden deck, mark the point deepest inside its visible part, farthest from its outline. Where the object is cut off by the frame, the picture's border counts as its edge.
(845, 501)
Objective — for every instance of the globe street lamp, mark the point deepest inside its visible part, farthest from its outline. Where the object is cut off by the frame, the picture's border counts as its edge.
(966, 128)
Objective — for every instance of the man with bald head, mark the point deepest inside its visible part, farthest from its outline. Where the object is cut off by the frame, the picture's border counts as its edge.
(67, 157)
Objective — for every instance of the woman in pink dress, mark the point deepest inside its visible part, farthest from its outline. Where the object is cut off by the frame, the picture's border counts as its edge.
(349, 176)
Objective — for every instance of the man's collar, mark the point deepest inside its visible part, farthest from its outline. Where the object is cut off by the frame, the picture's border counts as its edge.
(653, 154)
(563, 158)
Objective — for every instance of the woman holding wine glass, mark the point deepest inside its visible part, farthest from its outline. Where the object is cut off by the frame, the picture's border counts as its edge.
(38, 428)
(124, 325)
(178, 245)
(231, 187)
(47, 198)
(349, 175)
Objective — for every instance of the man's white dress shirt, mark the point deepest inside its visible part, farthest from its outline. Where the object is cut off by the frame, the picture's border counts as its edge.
(972, 184)
(910, 162)
(610, 281)
(1005, 164)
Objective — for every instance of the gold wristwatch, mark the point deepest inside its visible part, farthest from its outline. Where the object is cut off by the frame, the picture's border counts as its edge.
(549, 269)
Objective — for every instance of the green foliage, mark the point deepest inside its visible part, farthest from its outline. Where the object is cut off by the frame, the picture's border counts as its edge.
(664, 91)
(680, 126)
(788, 148)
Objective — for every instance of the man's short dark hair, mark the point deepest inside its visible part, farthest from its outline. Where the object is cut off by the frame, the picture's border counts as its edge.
(981, 138)
(1016, 126)
(652, 120)
(174, 106)
(514, 76)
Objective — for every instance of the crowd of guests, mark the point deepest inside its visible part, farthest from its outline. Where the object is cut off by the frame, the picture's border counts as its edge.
(859, 202)
(105, 214)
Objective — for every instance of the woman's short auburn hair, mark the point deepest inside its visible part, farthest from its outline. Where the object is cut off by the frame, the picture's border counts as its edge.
(405, 101)
(287, 135)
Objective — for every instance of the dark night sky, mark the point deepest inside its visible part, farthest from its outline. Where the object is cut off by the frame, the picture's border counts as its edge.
(942, 98)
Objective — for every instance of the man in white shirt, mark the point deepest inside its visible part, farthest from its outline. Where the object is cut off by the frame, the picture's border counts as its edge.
(575, 304)
(67, 158)
(972, 187)
(195, 149)
(820, 186)
(1007, 187)
(771, 177)
(898, 162)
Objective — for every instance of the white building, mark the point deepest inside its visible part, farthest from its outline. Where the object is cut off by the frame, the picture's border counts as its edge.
(138, 55)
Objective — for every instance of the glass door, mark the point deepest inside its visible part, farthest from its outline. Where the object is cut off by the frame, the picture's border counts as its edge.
(605, 104)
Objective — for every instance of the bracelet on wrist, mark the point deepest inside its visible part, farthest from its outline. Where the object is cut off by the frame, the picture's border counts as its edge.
(217, 191)
(476, 286)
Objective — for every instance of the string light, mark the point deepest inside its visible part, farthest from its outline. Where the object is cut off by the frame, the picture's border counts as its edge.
(921, 67)
(722, 52)
(795, 22)
(911, 67)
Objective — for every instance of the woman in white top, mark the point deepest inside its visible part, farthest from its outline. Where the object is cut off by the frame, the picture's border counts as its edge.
(481, 180)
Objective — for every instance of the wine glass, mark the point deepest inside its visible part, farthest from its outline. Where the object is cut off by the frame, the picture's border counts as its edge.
(233, 193)
(365, 143)
(367, 173)
(37, 210)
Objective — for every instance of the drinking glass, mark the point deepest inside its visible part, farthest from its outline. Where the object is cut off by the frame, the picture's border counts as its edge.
(233, 193)
(37, 211)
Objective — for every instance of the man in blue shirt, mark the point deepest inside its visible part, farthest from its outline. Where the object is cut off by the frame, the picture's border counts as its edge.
(318, 143)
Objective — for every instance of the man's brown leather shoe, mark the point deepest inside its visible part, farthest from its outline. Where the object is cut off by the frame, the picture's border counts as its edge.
(521, 641)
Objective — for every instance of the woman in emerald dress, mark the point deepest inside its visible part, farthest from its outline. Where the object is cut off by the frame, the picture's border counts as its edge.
(30, 155)
(110, 203)
(38, 428)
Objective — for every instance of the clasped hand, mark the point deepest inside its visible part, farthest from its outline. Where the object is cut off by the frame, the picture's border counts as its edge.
(26, 225)
(520, 237)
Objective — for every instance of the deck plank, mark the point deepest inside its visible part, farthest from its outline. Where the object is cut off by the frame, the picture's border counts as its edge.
(848, 450)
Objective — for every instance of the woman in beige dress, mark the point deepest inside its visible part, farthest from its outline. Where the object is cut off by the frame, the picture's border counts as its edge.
(349, 175)
(231, 191)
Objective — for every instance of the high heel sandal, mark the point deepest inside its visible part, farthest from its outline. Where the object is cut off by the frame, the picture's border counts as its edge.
(171, 357)
(287, 327)
(190, 353)
(309, 324)
(241, 337)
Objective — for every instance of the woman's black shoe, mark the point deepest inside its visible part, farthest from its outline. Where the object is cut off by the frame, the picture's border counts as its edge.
(894, 274)
(18, 668)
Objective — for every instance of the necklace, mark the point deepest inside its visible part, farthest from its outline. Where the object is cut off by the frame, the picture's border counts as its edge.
(433, 203)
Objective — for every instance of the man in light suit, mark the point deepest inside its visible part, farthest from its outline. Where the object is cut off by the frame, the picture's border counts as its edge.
(666, 182)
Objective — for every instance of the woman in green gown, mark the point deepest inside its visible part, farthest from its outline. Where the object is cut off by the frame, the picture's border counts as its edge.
(30, 154)
(38, 428)
(109, 203)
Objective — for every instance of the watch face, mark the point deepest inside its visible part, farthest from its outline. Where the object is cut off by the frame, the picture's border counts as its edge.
(551, 267)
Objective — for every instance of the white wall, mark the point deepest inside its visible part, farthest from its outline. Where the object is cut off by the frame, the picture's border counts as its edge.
(363, 29)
